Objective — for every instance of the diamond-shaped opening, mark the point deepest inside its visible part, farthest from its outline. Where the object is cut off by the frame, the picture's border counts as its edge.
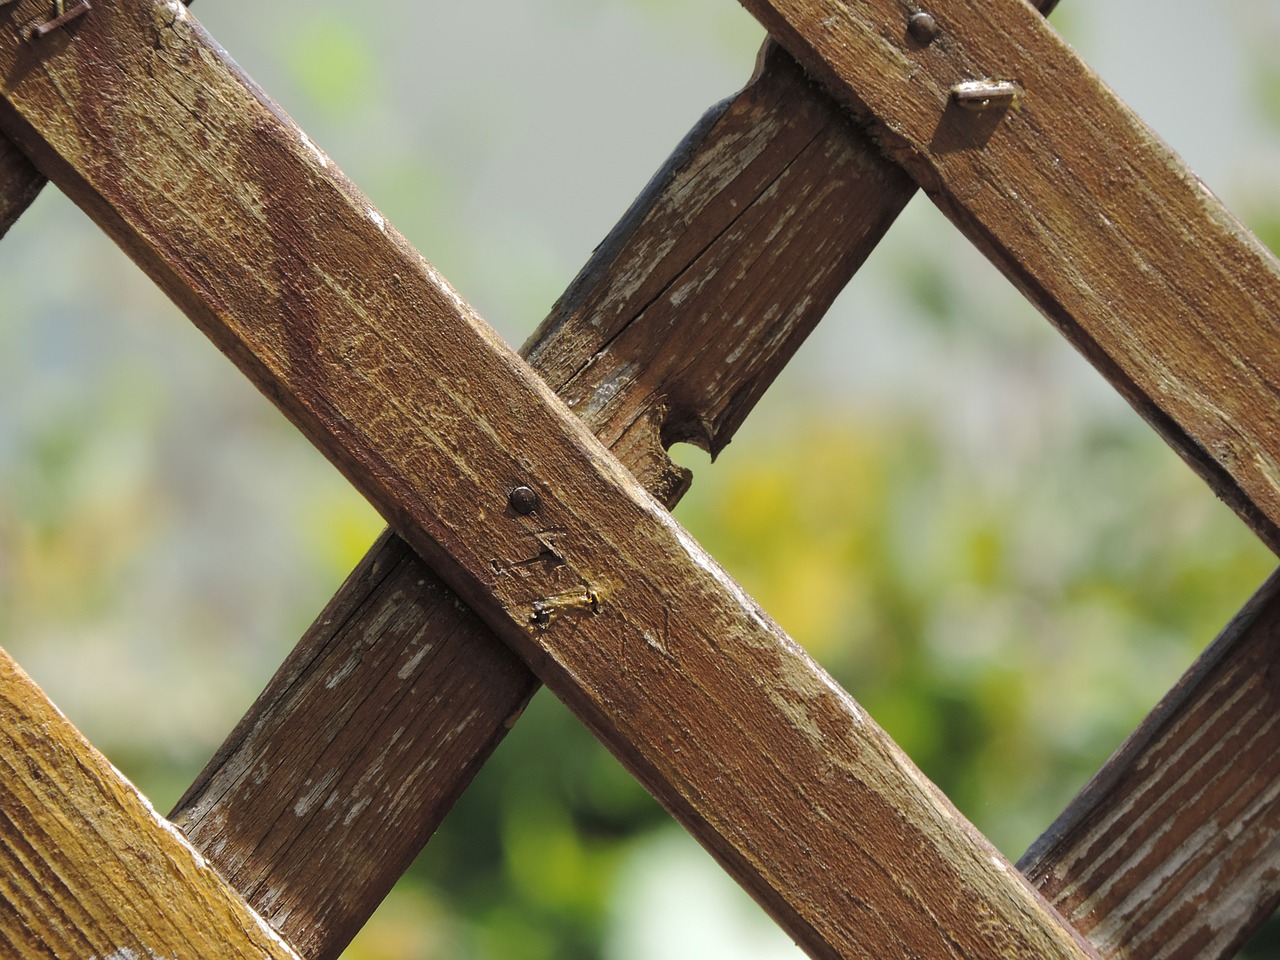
(858, 446)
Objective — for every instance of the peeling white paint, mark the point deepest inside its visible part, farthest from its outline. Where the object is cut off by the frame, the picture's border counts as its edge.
(378, 219)
(610, 388)
(307, 802)
(319, 154)
(463, 724)
(344, 671)
(412, 663)
(355, 811)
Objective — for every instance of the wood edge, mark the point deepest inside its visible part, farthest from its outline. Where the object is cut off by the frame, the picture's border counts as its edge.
(1038, 860)
(110, 807)
(606, 252)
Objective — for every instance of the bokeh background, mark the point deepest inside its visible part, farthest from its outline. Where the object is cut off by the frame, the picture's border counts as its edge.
(939, 498)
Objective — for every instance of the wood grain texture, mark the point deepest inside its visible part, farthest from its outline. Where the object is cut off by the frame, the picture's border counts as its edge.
(299, 280)
(87, 868)
(397, 694)
(1084, 209)
(379, 718)
(1173, 849)
(20, 183)
(719, 272)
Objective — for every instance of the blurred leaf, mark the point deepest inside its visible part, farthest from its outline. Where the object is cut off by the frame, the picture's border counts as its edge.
(333, 63)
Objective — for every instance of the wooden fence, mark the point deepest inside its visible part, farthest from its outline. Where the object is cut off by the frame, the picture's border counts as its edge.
(521, 551)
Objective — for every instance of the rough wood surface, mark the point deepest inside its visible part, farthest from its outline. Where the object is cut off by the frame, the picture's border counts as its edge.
(20, 182)
(296, 277)
(397, 694)
(1173, 850)
(728, 264)
(87, 867)
(322, 795)
(1107, 232)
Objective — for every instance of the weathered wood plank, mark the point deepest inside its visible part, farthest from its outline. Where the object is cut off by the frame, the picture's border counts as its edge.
(1084, 209)
(294, 275)
(20, 183)
(730, 265)
(351, 757)
(87, 867)
(1173, 849)
(379, 718)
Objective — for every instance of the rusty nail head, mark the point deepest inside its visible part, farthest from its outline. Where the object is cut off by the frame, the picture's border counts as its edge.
(923, 28)
(524, 500)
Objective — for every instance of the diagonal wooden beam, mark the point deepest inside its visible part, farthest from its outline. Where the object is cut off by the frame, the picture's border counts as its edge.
(1201, 905)
(289, 270)
(81, 849)
(1083, 208)
(735, 249)
(1172, 851)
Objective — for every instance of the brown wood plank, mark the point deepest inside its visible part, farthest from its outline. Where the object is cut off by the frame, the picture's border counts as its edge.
(290, 271)
(381, 715)
(362, 756)
(87, 867)
(1084, 209)
(1173, 849)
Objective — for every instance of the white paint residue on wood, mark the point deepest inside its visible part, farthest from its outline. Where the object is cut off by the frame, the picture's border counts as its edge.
(412, 663)
(307, 802)
(319, 154)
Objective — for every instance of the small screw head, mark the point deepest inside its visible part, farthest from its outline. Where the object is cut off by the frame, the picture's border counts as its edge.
(524, 500)
(923, 28)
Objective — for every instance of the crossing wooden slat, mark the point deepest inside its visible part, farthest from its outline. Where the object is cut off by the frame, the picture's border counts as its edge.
(293, 274)
(324, 792)
(87, 867)
(1173, 850)
(1084, 209)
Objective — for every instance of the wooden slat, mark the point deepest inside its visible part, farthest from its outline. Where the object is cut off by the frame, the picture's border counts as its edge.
(87, 867)
(291, 272)
(1082, 207)
(1173, 850)
(351, 757)
(322, 795)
